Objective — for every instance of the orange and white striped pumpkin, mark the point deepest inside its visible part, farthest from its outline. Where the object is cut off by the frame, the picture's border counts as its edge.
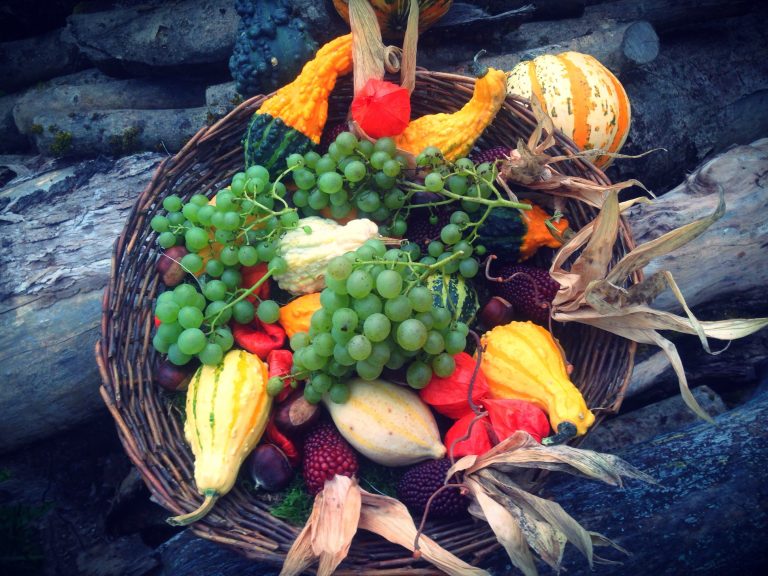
(585, 100)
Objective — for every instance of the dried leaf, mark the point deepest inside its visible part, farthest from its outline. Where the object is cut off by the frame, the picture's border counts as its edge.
(336, 523)
(300, 556)
(505, 527)
(461, 464)
(390, 519)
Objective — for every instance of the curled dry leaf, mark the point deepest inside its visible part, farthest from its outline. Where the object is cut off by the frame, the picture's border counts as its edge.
(594, 293)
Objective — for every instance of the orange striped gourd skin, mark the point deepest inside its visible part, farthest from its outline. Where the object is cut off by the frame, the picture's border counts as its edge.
(227, 409)
(585, 100)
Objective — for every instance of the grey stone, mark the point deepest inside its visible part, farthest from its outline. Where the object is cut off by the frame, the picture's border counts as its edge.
(24, 62)
(222, 98)
(80, 93)
(11, 140)
(196, 36)
(323, 22)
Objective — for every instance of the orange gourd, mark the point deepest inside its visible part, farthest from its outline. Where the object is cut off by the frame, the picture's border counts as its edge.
(297, 314)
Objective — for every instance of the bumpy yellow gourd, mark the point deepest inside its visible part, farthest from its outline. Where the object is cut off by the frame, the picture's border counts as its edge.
(388, 423)
(227, 411)
(455, 134)
(521, 360)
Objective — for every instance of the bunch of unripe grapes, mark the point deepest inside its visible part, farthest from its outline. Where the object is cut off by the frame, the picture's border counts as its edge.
(238, 230)
(377, 312)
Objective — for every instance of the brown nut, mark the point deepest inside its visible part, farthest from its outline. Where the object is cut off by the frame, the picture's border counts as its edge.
(168, 265)
(269, 468)
(496, 312)
(171, 377)
(295, 415)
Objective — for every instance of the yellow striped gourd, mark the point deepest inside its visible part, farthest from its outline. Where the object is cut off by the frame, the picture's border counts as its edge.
(227, 410)
(388, 423)
(585, 100)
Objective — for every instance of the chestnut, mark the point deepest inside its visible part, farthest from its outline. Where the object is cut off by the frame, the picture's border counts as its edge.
(168, 266)
(171, 377)
(295, 414)
(496, 312)
(269, 468)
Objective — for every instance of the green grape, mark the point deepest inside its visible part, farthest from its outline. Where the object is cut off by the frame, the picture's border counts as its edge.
(243, 311)
(396, 360)
(368, 370)
(365, 307)
(426, 319)
(223, 337)
(359, 284)
(191, 341)
(211, 355)
(231, 221)
(238, 184)
(443, 365)
(340, 198)
(159, 223)
(365, 148)
(339, 393)
(392, 168)
(339, 268)
(268, 311)
(323, 344)
(428, 260)
(247, 255)
(184, 294)
(225, 201)
(340, 212)
(294, 160)
(232, 278)
(341, 355)
(257, 171)
(215, 290)
(379, 158)
(389, 284)
(190, 317)
(218, 311)
(169, 331)
(345, 319)
(298, 341)
(380, 353)
(229, 255)
(166, 239)
(176, 219)
(332, 301)
(277, 265)
(172, 203)
(311, 395)
(449, 267)
(339, 370)
(455, 342)
(435, 343)
(223, 236)
(469, 267)
(322, 382)
(376, 327)
(398, 309)
(266, 250)
(176, 356)
(190, 211)
(394, 199)
(364, 252)
(311, 158)
(464, 164)
(338, 286)
(413, 251)
(252, 186)
(300, 198)
(385, 144)
(381, 214)
(450, 234)
(441, 317)
(355, 171)
(304, 179)
(368, 201)
(325, 164)
(433, 182)
(462, 327)
(465, 247)
(420, 298)
(160, 344)
(279, 189)
(275, 385)
(192, 263)
(318, 200)
(411, 334)
(341, 335)
(214, 268)
(399, 228)
(359, 347)
(205, 213)
(321, 320)
(418, 374)
(330, 182)
(383, 181)
(347, 142)
(311, 359)
(378, 247)
(457, 184)
(289, 219)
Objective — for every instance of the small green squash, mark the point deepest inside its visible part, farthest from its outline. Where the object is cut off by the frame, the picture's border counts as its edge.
(451, 291)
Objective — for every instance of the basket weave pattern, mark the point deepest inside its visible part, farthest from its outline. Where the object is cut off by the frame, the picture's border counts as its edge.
(150, 426)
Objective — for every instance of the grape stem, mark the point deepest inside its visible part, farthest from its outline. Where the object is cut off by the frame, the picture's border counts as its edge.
(242, 296)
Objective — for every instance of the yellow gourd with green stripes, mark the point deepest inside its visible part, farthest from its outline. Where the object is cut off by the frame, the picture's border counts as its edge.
(585, 100)
(227, 411)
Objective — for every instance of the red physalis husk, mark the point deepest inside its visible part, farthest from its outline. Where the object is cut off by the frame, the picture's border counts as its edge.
(448, 396)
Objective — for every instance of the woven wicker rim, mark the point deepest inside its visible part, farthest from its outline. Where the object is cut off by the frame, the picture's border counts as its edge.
(149, 425)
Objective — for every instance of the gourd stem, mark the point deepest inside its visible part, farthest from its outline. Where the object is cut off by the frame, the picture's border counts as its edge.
(565, 431)
(211, 497)
(475, 68)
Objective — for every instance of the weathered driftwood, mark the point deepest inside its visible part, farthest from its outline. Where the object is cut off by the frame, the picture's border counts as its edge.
(53, 271)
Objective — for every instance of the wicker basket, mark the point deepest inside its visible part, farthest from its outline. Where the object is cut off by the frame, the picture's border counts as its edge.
(149, 426)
